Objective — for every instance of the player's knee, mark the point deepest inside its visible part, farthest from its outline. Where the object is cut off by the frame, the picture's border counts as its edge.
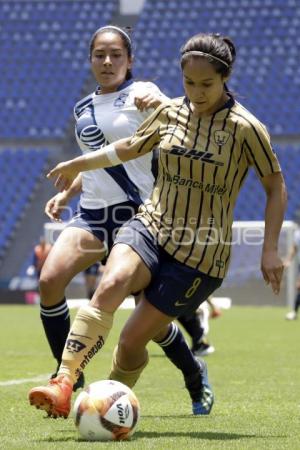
(49, 283)
(119, 281)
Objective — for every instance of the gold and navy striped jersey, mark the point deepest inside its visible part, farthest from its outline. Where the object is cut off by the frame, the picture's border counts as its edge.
(203, 163)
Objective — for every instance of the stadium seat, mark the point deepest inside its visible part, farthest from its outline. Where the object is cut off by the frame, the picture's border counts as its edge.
(263, 30)
(51, 38)
(250, 204)
(17, 191)
(56, 34)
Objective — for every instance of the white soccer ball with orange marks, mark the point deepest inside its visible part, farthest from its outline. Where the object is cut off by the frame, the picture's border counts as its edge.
(106, 411)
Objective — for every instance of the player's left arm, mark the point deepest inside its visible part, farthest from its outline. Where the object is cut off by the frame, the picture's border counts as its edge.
(271, 263)
(264, 160)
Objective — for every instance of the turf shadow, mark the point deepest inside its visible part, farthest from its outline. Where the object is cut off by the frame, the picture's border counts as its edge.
(209, 435)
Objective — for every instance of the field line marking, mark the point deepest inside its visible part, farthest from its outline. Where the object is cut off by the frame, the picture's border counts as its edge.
(25, 380)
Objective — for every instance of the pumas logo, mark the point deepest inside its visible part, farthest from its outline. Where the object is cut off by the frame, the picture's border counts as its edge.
(221, 137)
(121, 100)
(75, 346)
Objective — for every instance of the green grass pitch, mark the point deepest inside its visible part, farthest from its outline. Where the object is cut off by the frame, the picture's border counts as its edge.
(255, 373)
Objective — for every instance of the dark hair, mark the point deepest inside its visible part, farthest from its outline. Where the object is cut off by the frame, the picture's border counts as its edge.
(124, 34)
(219, 50)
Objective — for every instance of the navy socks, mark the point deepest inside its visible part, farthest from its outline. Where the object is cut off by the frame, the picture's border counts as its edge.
(176, 349)
(56, 322)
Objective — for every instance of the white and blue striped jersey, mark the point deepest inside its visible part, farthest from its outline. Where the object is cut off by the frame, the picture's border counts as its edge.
(103, 119)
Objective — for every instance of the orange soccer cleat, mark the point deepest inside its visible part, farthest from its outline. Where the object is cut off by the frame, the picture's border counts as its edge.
(55, 398)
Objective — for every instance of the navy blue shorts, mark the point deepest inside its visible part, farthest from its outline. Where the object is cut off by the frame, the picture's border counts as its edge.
(104, 223)
(175, 288)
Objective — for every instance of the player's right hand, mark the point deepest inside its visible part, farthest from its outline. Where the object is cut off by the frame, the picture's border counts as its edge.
(272, 269)
(65, 173)
(55, 206)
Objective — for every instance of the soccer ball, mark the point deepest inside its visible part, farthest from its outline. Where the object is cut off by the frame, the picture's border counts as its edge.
(106, 411)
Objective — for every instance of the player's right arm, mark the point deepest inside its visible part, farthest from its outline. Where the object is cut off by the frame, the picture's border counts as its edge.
(67, 171)
(143, 141)
(56, 204)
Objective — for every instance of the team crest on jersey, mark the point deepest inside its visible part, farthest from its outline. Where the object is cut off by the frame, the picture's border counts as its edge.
(221, 137)
(121, 100)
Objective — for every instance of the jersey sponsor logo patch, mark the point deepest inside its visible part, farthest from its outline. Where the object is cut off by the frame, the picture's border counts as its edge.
(206, 157)
(221, 137)
(190, 183)
(93, 137)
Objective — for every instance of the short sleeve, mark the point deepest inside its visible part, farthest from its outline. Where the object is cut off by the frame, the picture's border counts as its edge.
(147, 136)
(259, 150)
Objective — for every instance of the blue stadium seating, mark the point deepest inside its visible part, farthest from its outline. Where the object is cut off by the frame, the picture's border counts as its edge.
(266, 76)
(44, 62)
(44, 65)
(27, 165)
(49, 42)
(251, 201)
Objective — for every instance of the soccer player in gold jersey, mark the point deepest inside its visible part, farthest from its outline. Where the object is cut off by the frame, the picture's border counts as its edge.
(108, 199)
(177, 248)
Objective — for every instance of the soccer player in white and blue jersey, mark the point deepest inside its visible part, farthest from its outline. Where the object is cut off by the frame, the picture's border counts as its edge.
(109, 197)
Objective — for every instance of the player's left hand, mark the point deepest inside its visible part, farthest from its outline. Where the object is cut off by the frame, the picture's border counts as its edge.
(146, 101)
(65, 173)
(272, 269)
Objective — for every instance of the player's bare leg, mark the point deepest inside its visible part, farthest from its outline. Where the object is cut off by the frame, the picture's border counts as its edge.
(91, 327)
(75, 250)
(131, 357)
